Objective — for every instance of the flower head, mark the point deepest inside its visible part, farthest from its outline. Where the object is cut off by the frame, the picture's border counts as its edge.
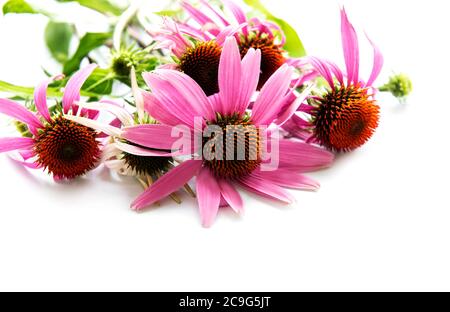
(224, 125)
(197, 41)
(346, 115)
(64, 148)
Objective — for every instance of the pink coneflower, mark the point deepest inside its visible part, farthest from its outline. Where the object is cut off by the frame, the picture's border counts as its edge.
(346, 116)
(62, 147)
(178, 100)
(197, 41)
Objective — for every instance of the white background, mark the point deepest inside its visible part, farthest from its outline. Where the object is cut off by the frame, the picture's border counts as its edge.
(381, 220)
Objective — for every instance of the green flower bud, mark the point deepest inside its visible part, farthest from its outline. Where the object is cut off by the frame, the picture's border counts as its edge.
(399, 85)
(127, 58)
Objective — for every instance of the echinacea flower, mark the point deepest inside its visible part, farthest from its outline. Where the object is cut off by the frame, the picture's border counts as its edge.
(177, 100)
(197, 41)
(121, 156)
(346, 116)
(65, 149)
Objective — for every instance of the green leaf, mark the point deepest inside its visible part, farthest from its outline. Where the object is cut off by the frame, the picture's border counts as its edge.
(89, 42)
(58, 37)
(293, 43)
(102, 6)
(28, 92)
(17, 6)
(100, 82)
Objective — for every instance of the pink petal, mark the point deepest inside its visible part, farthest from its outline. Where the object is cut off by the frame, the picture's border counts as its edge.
(155, 109)
(230, 76)
(20, 113)
(208, 193)
(215, 12)
(190, 90)
(323, 68)
(288, 179)
(351, 48)
(169, 183)
(152, 136)
(198, 15)
(139, 151)
(73, 87)
(266, 188)
(303, 157)
(228, 31)
(231, 196)
(175, 99)
(378, 61)
(251, 69)
(290, 110)
(40, 99)
(238, 13)
(12, 144)
(268, 104)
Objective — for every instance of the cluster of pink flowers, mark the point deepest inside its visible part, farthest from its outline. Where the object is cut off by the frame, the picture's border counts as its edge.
(233, 111)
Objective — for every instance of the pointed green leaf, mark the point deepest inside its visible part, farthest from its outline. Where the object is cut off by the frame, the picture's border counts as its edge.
(57, 37)
(293, 43)
(28, 92)
(89, 42)
(100, 82)
(17, 6)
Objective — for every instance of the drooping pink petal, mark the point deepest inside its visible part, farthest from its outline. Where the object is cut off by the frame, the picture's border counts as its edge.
(228, 31)
(139, 151)
(303, 157)
(215, 12)
(12, 144)
(152, 136)
(251, 69)
(238, 13)
(268, 104)
(109, 106)
(40, 99)
(288, 179)
(96, 125)
(73, 87)
(190, 90)
(20, 113)
(169, 183)
(351, 48)
(266, 188)
(231, 196)
(208, 193)
(323, 69)
(378, 61)
(290, 109)
(336, 71)
(230, 76)
(298, 128)
(199, 16)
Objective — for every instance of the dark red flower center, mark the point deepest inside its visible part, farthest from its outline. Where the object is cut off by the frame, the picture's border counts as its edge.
(346, 118)
(271, 54)
(67, 149)
(147, 165)
(232, 147)
(201, 63)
